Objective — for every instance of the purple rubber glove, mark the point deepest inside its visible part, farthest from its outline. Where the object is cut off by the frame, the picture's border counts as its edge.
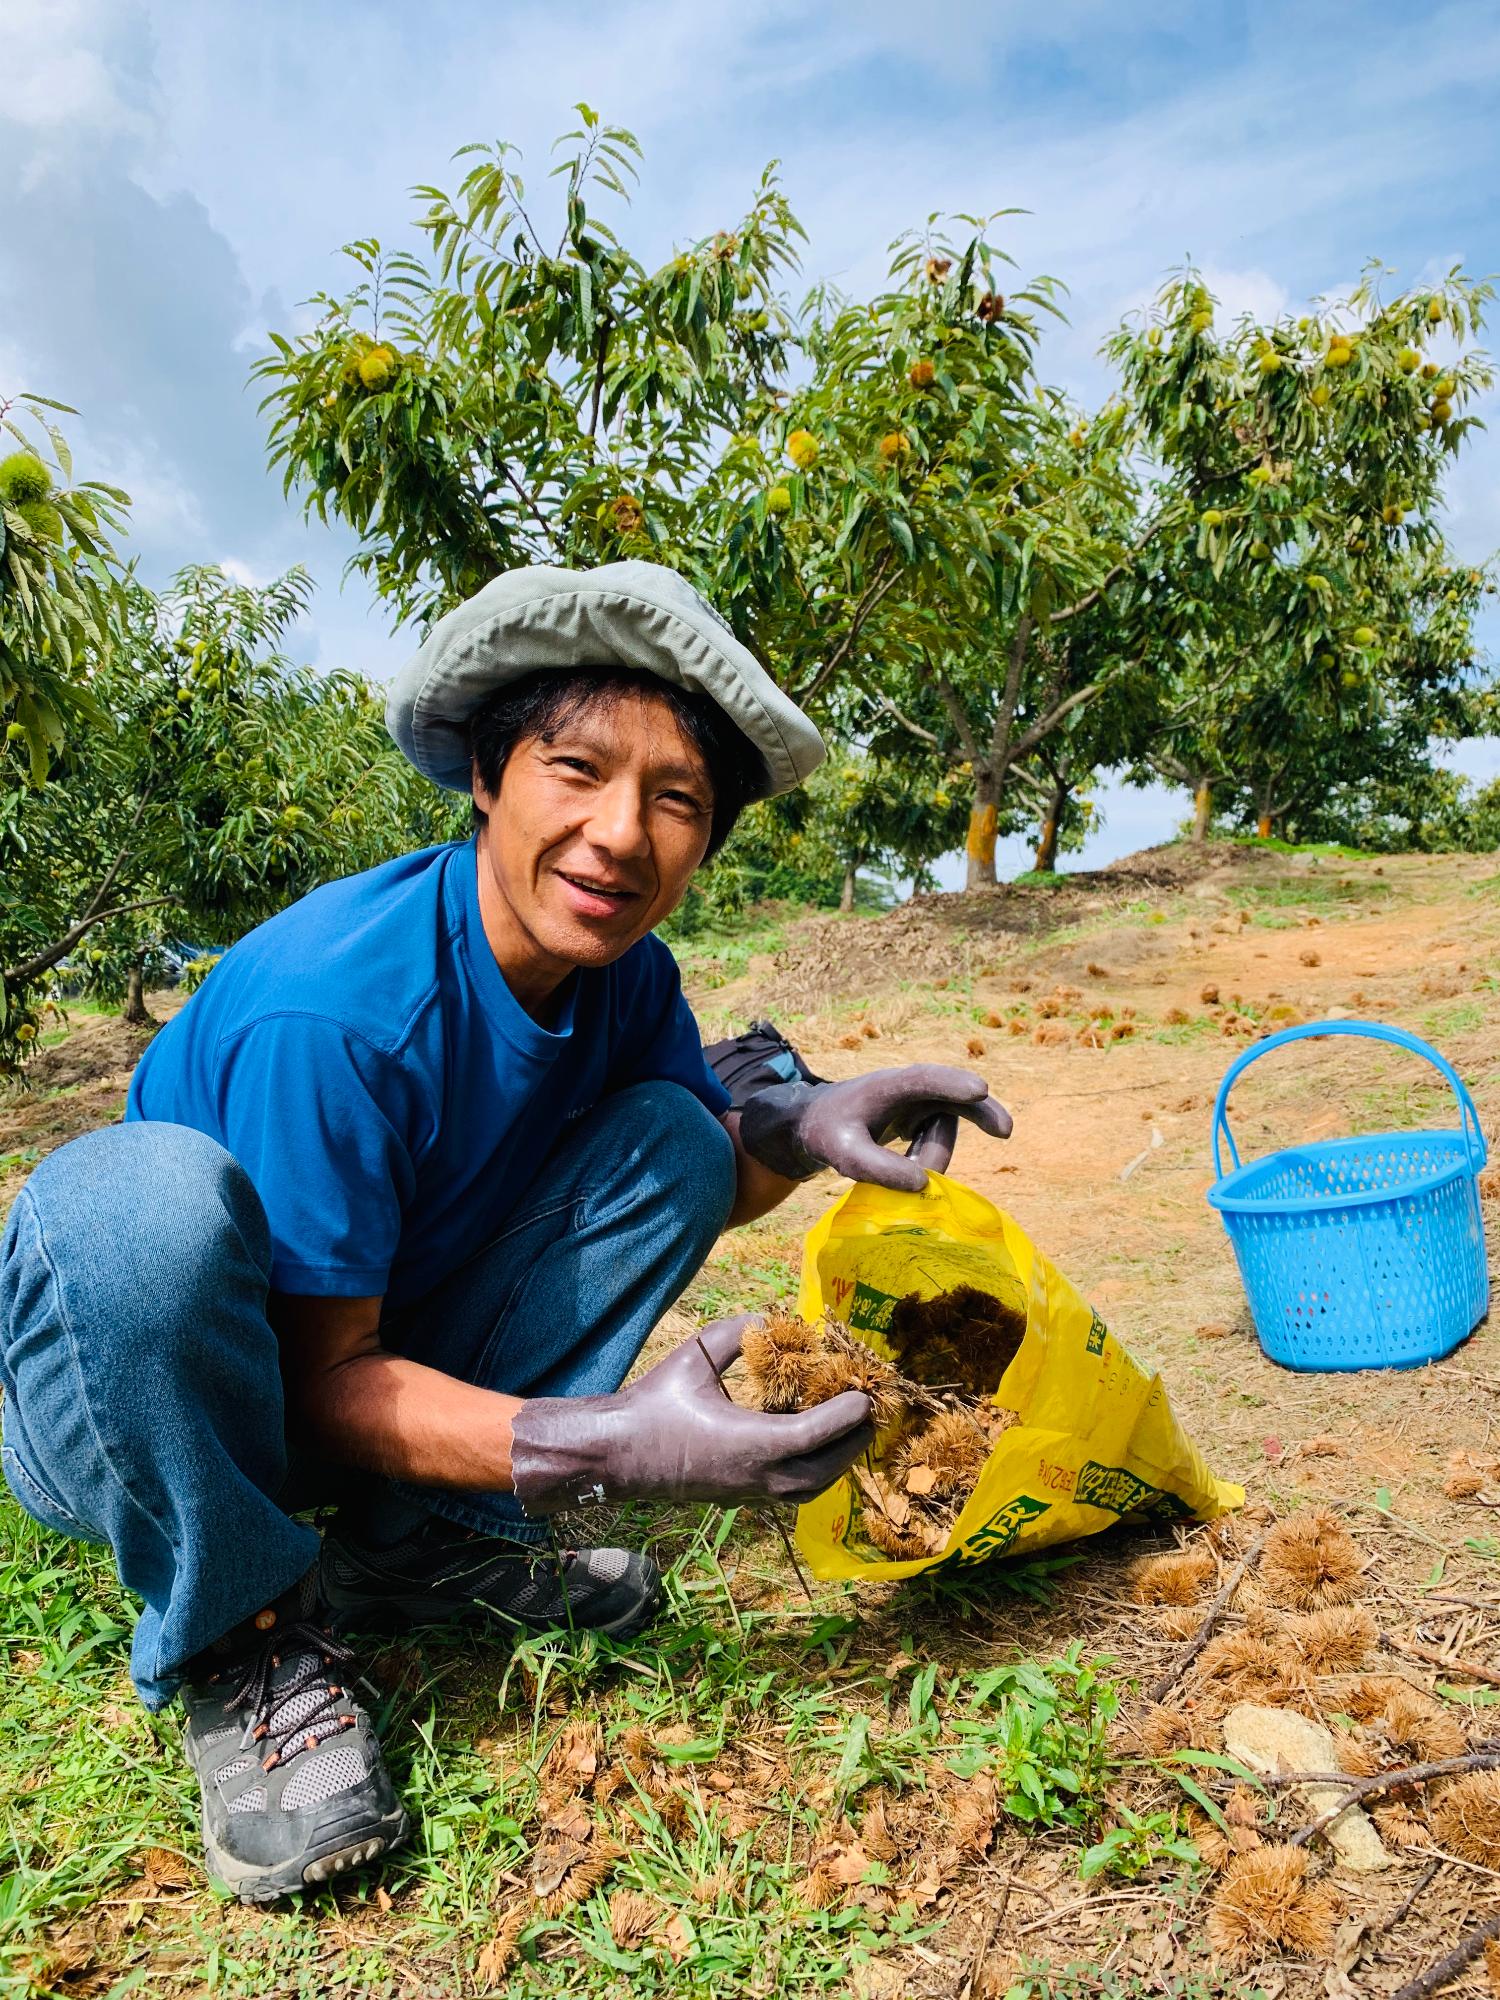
(676, 1435)
(796, 1128)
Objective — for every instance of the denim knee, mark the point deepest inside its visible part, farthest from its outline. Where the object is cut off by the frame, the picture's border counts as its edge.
(133, 1276)
(688, 1146)
(169, 1192)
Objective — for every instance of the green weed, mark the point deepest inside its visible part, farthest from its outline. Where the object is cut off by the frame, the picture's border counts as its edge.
(1458, 1018)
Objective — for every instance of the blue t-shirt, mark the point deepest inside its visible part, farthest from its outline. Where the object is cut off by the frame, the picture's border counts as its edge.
(363, 1059)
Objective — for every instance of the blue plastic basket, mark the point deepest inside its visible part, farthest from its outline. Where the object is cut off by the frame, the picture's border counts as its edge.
(1358, 1253)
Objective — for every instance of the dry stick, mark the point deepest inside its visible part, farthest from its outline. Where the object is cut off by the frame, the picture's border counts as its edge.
(1201, 1637)
(1412, 1774)
(1437, 1976)
(1431, 1657)
(1424, 1880)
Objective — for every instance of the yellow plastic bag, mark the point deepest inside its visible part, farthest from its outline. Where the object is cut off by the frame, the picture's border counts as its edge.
(1097, 1438)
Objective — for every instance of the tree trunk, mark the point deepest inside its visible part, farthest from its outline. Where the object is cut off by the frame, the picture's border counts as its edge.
(1265, 826)
(984, 821)
(134, 1009)
(1045, 862)
(846, 898)
(1203, 809)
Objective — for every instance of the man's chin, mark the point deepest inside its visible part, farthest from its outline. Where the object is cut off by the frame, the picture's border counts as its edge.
(596, 942)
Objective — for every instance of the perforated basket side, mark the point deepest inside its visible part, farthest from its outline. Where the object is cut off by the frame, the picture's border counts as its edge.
(1386, 1284)
(1340, 1169)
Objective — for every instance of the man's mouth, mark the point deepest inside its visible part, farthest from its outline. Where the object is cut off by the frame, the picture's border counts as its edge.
(591, 898)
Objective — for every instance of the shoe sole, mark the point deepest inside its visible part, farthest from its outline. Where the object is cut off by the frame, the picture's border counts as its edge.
(335, 1854)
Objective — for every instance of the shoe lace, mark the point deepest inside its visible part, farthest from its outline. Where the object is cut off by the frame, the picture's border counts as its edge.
(315, 1649)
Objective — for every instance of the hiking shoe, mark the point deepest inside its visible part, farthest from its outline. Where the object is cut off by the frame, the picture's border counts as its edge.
(295, 1789)
(441, 1573)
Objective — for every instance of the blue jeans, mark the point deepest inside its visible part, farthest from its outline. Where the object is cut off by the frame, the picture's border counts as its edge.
(143, 1397)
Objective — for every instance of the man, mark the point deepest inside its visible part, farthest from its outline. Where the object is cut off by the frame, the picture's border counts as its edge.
(399, 1196)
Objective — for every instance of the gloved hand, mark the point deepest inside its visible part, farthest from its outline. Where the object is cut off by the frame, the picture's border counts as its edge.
(795, 1128)
(676, 1435)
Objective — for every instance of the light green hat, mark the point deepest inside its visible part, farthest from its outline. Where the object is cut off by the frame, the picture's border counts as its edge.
(625, 614)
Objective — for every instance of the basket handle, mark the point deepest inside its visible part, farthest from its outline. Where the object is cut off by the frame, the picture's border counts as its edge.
(1370, 1031)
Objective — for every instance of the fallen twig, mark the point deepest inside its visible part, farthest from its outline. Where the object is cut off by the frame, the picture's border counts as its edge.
(1200, 1638)
(1469, 1946)
(1363, 1788)
(1399, 1915)
(1431, 1657)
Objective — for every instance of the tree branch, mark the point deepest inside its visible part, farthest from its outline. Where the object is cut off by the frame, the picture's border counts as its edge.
(885, 581)
(1162, 1687)
(529, 500)
(1039, 730)
(1113, 574)
(1364, 1788)
(957, 714)
(1436, 1977)
(33, 968)
(1005, 721)
(915, 728)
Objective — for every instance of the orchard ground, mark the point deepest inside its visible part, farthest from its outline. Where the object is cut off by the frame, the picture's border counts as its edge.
(775, 1793)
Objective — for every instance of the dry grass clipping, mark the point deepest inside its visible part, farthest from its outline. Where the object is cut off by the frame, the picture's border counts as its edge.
(1176, 1579)
(1466, 1818)
(1310, 1561)
(1266, 1903)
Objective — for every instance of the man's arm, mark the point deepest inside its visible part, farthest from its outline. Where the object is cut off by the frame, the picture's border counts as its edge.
(758, 1190)
(673, 1434)
(350, 1399)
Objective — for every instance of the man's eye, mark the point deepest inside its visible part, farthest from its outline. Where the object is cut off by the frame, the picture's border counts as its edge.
(686, 799)
(577, 764)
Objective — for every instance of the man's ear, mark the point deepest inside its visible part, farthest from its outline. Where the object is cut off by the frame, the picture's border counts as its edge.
(483, 799)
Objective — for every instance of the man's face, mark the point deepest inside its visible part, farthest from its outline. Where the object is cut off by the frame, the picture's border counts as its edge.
(595, 832)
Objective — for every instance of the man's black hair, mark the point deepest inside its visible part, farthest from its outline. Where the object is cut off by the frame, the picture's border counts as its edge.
(543, 703)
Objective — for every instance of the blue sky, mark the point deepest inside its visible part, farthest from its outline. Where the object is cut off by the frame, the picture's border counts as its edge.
(175, 178)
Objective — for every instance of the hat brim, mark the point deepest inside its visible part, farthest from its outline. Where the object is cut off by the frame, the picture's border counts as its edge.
(630, 614)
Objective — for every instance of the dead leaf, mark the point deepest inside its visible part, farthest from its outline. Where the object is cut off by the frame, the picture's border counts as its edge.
(847, 1863)
(677, 1935)
(921, 1479)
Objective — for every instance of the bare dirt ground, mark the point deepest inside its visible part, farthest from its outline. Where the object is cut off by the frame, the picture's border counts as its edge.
(1104, 1014)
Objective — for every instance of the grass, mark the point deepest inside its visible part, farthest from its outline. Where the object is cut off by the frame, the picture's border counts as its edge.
(1320, 892)
(99, 1887)
(712, 957)
(1458, 1018)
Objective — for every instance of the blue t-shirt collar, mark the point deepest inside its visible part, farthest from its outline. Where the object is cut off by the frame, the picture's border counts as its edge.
(501, 1007)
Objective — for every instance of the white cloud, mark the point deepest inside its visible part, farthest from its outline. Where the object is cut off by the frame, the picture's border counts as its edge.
(70, 75)
(243, 573)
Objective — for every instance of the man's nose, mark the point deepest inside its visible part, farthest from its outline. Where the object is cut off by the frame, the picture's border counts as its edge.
(618, 823)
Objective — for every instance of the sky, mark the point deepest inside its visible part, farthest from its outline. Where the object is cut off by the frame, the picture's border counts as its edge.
(176, 179)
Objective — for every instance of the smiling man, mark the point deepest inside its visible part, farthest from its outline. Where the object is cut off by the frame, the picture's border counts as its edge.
(400, 1195)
